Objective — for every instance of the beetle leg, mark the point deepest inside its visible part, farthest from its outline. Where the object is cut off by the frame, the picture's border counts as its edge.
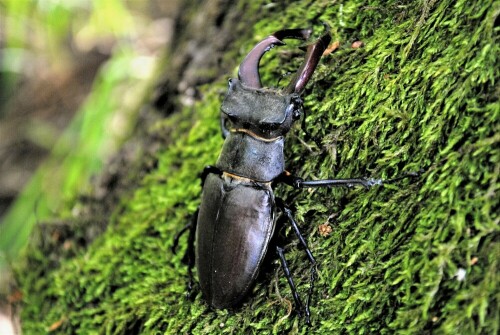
(281, 254)
(288, 212)
(178, 236)
(297, 182)
(189, 256)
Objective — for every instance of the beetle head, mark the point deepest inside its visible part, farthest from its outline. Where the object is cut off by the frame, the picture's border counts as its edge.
(270, 113)
(267, 113)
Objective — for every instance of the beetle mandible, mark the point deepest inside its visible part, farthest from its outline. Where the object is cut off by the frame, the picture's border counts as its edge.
(236, 218)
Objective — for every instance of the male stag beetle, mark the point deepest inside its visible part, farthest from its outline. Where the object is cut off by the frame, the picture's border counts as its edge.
(236, 218)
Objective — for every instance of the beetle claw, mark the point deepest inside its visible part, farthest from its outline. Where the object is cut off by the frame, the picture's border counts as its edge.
(189, 288)
(313, 55)
(308, 319)
(249, 68)
(248, 72)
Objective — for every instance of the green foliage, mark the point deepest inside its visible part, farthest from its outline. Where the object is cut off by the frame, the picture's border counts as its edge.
(103, 121)
(76, 156)
(415, 257)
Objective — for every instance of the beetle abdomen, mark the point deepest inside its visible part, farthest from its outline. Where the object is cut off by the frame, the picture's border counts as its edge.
(235, 224)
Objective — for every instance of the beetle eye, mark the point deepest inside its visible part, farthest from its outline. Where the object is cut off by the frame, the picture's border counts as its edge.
(296, 114)
(269, 126)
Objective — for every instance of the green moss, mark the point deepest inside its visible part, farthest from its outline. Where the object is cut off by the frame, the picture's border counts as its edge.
(421, 94)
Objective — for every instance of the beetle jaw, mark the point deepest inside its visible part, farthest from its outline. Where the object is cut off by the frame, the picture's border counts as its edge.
(248, 72)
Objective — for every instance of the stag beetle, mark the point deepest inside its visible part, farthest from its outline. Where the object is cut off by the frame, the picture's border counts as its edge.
(236, 219)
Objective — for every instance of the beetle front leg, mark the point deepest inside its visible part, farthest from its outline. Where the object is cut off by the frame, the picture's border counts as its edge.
(288, 212)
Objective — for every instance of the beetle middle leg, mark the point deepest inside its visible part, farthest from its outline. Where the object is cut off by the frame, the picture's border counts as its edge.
(297, 182)
(189, 256)
(288, 213)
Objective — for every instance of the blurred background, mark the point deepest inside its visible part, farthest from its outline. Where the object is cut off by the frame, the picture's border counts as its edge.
(72, 77)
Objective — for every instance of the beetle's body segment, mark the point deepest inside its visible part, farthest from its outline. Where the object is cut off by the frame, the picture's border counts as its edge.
(236, 218)
(266, 113)
(232, 237)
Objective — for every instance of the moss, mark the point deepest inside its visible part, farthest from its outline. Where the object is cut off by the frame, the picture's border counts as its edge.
(420, 95)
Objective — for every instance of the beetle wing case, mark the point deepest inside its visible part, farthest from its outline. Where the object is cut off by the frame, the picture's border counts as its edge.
(235, 236)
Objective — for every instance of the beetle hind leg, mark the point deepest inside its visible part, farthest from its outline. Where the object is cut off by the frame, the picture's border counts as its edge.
(284, 264)
(288, 213)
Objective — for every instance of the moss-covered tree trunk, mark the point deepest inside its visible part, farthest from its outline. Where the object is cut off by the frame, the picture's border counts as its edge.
(414, 257)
